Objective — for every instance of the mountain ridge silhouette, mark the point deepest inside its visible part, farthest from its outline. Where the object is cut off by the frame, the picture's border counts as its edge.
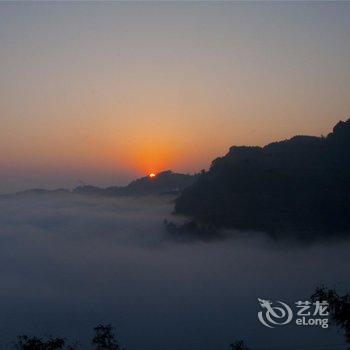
(300, 184)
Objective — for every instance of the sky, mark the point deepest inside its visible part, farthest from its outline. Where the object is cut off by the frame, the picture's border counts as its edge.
(104, 92)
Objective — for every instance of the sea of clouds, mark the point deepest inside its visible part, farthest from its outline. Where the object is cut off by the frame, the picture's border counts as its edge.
(68, 262)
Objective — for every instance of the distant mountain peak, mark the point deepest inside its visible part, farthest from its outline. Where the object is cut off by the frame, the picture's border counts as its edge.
(302, 183)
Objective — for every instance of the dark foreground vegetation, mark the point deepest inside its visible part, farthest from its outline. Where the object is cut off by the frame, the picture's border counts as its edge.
(298, 185)
(105, 338)
(339, 308)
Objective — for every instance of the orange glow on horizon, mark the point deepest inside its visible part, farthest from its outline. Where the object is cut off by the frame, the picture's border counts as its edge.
(152, 175)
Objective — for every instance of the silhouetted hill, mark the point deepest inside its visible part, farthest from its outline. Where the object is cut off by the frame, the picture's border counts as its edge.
(298, 184)
(89, 190)
(165, 182)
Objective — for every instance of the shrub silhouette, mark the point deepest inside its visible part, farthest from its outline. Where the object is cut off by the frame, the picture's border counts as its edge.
(238, 345)
(35, 343)
(339, 307)
(104, 338)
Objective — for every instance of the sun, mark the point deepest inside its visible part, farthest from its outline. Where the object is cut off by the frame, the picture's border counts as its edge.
(151, 175)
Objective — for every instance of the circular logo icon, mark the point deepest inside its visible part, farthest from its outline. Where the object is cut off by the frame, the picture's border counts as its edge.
(274, 315)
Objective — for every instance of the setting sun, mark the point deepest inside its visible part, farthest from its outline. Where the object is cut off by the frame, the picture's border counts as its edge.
(152, 175)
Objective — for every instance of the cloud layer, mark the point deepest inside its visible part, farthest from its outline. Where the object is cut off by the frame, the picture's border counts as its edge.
(68, 262)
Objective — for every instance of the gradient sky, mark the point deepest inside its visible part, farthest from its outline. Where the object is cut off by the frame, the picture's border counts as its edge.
(105, 92)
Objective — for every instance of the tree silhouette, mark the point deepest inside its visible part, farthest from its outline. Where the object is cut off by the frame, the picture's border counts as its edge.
(339, 307)
(238, 345)
(104, 338)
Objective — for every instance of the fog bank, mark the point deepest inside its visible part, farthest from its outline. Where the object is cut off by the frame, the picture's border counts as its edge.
(69, 262)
